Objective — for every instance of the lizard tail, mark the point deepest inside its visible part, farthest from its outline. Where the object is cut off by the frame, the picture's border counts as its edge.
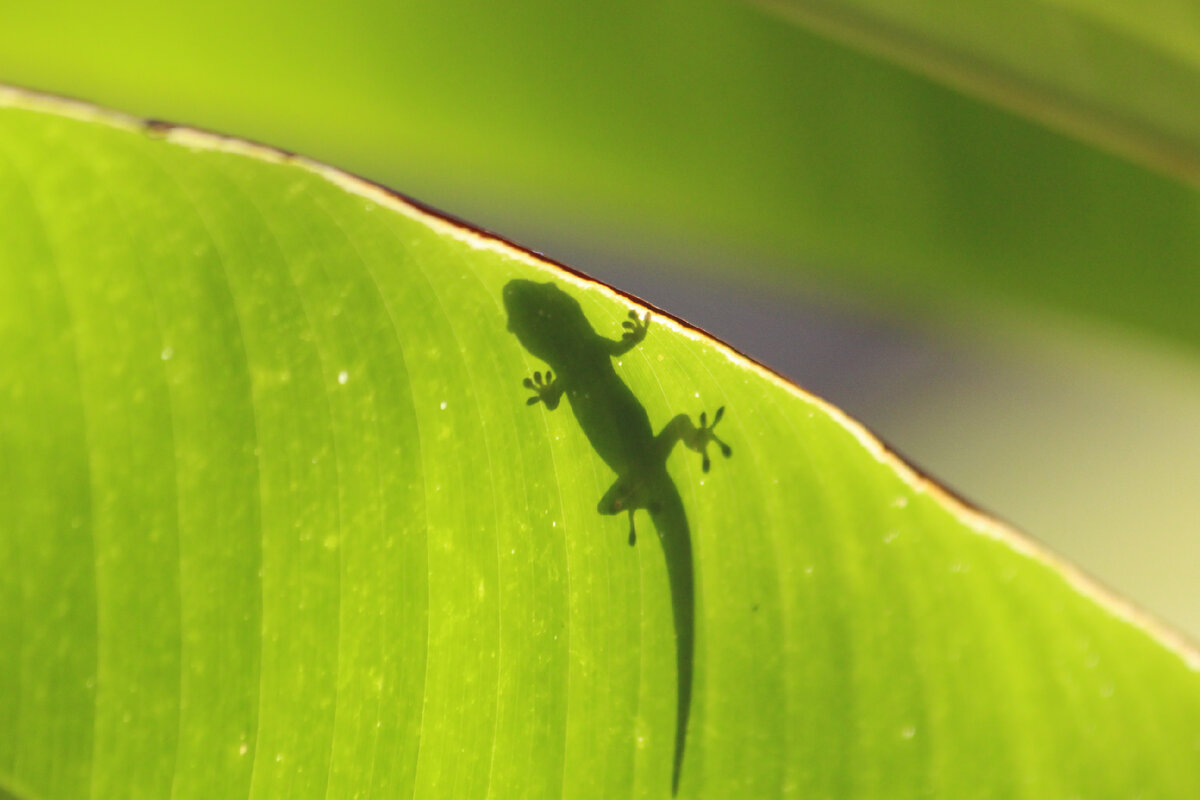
(670, 522)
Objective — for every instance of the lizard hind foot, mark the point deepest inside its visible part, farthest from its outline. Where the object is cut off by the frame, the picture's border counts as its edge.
(707, 435)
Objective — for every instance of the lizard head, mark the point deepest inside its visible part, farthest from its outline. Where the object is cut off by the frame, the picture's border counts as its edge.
(548, 322)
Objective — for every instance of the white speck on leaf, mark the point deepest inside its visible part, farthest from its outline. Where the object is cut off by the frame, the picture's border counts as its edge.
(343, 376)
(167, 353)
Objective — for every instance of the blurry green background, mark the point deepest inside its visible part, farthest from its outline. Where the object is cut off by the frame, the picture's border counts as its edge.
(1007, 294)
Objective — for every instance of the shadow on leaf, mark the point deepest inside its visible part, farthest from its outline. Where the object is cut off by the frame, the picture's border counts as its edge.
(551, 326)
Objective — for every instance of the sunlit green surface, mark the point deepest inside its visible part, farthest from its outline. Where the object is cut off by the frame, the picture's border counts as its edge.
(280, 523)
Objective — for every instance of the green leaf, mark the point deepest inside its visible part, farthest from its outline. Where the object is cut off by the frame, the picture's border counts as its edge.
(1121, 76)
(279, 522)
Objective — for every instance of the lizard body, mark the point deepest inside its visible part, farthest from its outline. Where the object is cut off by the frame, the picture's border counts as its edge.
(551, 325)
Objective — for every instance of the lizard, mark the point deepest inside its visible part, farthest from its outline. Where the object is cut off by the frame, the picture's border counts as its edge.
(551, 326)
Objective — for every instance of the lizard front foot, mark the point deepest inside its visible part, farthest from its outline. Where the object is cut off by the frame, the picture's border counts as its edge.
(635, 328)
(548, 392)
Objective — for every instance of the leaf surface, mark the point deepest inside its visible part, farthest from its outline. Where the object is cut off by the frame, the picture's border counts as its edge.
(281, 523)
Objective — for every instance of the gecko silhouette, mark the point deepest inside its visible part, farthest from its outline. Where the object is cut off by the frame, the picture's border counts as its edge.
(550, 324)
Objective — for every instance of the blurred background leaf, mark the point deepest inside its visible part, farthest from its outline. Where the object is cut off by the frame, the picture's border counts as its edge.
(1010, 305)
(1120, 75)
